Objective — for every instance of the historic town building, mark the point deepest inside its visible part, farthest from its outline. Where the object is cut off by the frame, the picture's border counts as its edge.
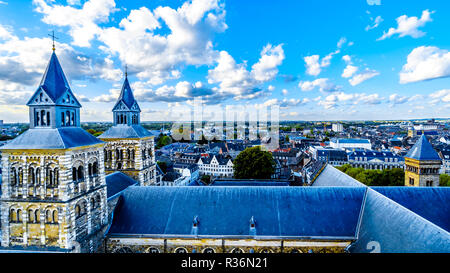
(129, 146)
(53, 185)
(422, 165)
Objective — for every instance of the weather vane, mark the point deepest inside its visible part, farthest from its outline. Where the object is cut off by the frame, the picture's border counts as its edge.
(53, 37)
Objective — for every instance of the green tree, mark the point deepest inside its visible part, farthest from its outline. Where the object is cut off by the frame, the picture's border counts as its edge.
(206, 179)
(254, 163)
(163, 141)
(287, 138)
(444, 180)
(387, 177)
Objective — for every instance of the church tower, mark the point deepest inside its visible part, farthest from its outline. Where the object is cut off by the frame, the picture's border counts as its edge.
(129, 146)
(422, 165)
(53, 195)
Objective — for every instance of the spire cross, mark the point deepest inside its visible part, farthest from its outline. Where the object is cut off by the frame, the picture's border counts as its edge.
(53, 37)
(126, 71)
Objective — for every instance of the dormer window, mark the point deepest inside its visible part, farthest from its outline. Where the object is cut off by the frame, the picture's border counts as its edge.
(195, 222)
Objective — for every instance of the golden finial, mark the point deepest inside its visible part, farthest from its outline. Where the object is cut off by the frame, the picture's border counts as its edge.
(53, 37)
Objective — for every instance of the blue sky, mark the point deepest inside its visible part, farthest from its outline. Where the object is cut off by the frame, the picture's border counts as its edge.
(317, 60)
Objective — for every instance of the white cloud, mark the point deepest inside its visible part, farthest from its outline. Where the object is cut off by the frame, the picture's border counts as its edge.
(426, 63)
(397, 99)
(323, 84)
(408, 26)
(285, 92)
(363, 76)
(374, 2)
(334, 99)
(235, 79)
(267, 66)
(83, 22)
(314, 64)
(349, 70)
(375, 23)
(441, 95)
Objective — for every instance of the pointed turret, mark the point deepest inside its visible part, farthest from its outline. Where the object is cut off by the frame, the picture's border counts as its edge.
(126, 110)
(54, 88)
(422, 165)
(422, 150)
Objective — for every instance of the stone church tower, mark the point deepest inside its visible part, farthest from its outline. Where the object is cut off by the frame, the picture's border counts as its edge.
(53, 195)
(129, 146)
(422, 165)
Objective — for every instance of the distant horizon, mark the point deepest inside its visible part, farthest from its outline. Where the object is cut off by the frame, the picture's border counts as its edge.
(368, 60)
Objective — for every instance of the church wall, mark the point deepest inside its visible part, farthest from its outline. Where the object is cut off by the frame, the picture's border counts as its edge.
(219, 245)
(44, 213)
(140, 169)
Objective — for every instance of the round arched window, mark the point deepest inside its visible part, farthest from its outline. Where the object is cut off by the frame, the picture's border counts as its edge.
(237, 250)
(209, 250)
(180, 250)
(153, 250)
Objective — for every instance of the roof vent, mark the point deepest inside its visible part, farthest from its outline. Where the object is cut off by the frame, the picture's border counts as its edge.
(195, 223)
(252, 226)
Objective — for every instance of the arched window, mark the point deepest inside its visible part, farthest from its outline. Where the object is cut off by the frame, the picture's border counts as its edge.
(62, 119)
(20, 176)
(132, 154)
(12, 216)
(42, 117)
(74, 174)
(128, 154)
(36, 118)
(90, 169)
(73, 118)
(37, 215)
(95, 168)
(48, 216)
(125, 119)
(117, 154)
(80, 173)
(13, 176)
(77, 211)
(118, 119)
(55, 216)
(38, 177)
(31, 216)
(67, 118)
(180, 250)
(19, 215)
(48, 118)
(119, 166)
(56, 177)
(121, 118)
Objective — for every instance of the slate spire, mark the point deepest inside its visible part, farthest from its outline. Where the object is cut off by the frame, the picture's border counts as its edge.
(423, 150)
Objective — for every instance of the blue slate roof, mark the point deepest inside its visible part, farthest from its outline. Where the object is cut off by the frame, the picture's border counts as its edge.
(332, 177)
(126, 95)
(429, 202)
(226, 211)
(248, 182)
(125, 131)
(117, 182)
(58, 138)
(351, 140)
(54, 82)
(381, 155)
(389, 227)
(423, 150)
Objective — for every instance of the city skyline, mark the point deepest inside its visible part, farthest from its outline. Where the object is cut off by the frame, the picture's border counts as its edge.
(376, 61)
